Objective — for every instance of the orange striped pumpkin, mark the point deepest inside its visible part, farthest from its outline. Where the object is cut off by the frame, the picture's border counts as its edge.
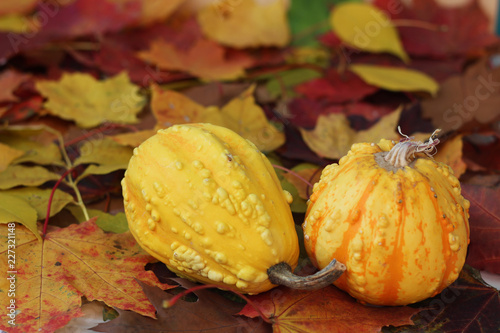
(394, 217)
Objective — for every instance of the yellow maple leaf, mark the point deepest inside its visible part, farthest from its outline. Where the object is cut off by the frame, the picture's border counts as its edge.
(333, 137)
(365, 27)
(246, 118)
(241, 115)
(246, 23)
(89, 102)
(79, 260)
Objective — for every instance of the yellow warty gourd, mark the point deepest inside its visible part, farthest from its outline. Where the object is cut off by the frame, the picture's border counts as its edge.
(395, 217)
(208, 203)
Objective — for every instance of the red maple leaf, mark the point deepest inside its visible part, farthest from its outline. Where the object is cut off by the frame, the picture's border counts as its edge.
(336, 87)
(461, 30)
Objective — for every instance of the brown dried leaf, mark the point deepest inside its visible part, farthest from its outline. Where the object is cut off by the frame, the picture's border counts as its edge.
(472, 96)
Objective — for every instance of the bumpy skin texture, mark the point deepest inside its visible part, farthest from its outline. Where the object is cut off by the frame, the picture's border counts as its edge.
(208, 204)
(403, 234)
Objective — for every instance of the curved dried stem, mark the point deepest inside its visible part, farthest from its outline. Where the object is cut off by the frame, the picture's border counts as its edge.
(281, 274)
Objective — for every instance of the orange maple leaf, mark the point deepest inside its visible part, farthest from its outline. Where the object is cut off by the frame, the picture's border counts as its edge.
(205, 59)
(79, 260)
(17, 7)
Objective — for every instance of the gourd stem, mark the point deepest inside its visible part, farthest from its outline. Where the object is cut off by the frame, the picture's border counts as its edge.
(281, 274)
(403, 153)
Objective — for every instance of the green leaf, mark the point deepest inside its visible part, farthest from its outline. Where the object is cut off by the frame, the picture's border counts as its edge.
(396, 79)
(39, 199)
(113, 223)
(77, 212)
(367, 28)
(16, 175)
(14, 209)
(309, 173)
(289, 79)
(298, 204)
(307, 20)
(107, 222)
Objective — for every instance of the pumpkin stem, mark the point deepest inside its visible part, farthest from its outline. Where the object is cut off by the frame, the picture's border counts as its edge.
(403, 153)
(281, 274)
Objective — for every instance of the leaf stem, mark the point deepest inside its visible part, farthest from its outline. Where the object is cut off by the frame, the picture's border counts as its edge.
(69, 166)
(419, 24)
(49, 205)
(293, 173)
(173, 300)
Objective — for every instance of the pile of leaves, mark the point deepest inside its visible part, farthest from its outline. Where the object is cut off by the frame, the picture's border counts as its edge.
(83, 82)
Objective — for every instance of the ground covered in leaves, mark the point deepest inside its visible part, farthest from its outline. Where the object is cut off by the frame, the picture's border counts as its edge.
(83, 82)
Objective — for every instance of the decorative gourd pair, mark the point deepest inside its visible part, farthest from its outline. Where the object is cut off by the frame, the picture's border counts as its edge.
(208, 203)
